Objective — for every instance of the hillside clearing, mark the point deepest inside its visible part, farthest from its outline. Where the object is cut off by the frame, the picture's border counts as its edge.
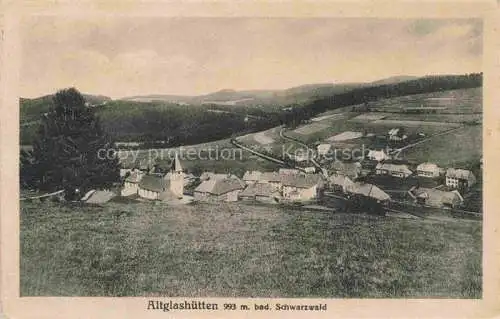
(464, 145)
(234, 250)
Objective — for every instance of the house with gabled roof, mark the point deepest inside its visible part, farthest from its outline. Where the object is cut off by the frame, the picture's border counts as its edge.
(429, 170)
(436, 197)
(459, 178)
(396, 170)
(219, 189)
(368, 190)
(131, 183)
(272, 178)
(339, 182)
(301, 187)
(261, 192)
(350, 169)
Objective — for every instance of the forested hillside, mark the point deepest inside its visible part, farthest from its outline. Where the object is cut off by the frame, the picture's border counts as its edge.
(177, 124)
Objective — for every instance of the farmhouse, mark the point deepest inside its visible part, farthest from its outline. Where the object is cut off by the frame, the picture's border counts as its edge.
(459, 178)
(396, 170)
(251, 177)
(378, 155)
(437, 198)
(340, 183)
(131, 184)
(350, 169)
(301, 187)
(273, 178)
(429, 170)
(219, 189)
(367, 190)
(260, 192)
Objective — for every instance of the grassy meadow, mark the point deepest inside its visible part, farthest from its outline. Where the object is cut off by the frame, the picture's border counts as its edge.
(152, 249)
(463, 145)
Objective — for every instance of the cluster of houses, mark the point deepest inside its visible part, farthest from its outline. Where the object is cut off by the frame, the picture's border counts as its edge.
(447, 195)
(284, 185)
(293, 185)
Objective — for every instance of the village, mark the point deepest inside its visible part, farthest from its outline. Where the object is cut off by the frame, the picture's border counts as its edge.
(378, 178)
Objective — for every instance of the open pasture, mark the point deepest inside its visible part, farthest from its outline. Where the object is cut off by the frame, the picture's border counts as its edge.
(236, 250)
(368, 117)
(453, 101)
(309, 129)
(447, 118)
(378, 127)
(412, 123)
(463, 145)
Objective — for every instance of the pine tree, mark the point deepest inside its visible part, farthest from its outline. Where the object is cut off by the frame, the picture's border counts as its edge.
(70, 151)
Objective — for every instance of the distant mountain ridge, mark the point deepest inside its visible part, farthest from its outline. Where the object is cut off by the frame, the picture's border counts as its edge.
(295, 94)
(231, 112)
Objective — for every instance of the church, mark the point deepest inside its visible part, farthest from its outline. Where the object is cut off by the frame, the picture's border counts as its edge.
(167, 186)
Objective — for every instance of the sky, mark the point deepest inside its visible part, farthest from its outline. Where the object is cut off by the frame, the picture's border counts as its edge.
(125, 56)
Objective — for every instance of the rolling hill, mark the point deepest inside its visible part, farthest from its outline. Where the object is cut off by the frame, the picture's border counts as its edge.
(184, 120)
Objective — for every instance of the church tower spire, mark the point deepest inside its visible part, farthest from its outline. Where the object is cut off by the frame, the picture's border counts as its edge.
(177, 177)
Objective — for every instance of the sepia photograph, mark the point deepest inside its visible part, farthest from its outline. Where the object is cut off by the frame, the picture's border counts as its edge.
(250, 157)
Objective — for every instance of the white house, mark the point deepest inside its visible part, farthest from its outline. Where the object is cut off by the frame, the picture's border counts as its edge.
(340, 182)
(459, 178)
(131, 183)
(301, 187)
(324, 149)
(436, 197)
(378, 155)
(397, 134)
(396, 170)
(219, 189)
(429, 170)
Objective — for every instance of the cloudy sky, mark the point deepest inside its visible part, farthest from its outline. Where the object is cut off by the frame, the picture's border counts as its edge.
(124, 56)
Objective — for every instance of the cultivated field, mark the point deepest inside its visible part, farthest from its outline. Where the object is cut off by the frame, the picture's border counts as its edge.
(150, 249)
(454, 101)
(463, 145)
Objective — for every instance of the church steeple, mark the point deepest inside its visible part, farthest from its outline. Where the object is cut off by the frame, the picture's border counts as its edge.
(176, 165)
(177, 177)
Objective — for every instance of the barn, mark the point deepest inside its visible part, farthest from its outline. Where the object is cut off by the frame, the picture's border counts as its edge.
(219, 189)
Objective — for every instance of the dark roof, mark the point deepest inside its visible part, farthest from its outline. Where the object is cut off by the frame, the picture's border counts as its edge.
(155, 183)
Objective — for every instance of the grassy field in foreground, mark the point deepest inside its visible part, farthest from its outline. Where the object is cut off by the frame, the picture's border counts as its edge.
(149, 249)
